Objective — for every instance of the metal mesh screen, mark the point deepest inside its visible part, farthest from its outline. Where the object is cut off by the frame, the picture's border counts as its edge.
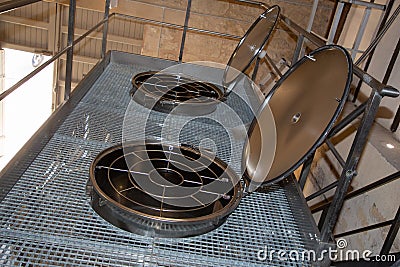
(46, 219)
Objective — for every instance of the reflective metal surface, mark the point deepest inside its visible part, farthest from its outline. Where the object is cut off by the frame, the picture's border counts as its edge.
(259, 151)
(305, 104)
(162, 190)
(250, 46)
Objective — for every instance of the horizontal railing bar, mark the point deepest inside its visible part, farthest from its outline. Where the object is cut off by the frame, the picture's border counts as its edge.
(176, 26)
(335, 152)
(274, 67)
(83, 36)
(349, 118)
(255, 3)
(364, 229)
(367, 188)
(382, 89)
(322, 191)
(366, 4)
(48, 62)
(309, 35)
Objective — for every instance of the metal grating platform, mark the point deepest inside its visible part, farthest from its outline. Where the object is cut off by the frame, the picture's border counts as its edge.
(46, 219)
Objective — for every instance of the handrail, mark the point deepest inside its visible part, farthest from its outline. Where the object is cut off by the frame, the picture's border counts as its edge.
(292, 25)
(365, 4)
(360, 191)
(185, 28)
(176, 26)
(51, 60)
(79, 39)
(364, 229)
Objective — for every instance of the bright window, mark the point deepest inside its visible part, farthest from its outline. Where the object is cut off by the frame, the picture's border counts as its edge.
(24, 110)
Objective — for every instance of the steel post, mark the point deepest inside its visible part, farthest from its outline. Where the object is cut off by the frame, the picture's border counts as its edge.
(105, 29)
(349, 170)
(305, 170)
(300, 41)
(394, 229)
(70, 52)
(360, 33)
(185, 29)
(335, 23)
(368, 62)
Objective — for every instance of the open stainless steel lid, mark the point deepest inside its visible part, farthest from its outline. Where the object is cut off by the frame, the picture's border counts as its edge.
(249, 47)
(305, 103)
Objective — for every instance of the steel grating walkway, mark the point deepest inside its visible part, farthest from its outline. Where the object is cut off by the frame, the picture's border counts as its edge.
(46, 218)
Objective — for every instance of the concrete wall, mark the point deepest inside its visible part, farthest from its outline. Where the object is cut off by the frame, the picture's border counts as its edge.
(224, 17)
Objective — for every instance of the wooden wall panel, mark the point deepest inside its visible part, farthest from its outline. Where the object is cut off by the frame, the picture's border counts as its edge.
(23, 36)
(28, 29)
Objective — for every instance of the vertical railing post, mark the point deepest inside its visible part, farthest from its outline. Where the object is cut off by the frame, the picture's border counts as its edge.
(300, 41)
(305, 170)
(360, 33)
(378, 37)
(255, 71)
(2, 87)
(349, 170)
(391, 236)
(70, 52)
(185, 27)
(105, 29)
(388, 9)
(335, 22)
(396, 121)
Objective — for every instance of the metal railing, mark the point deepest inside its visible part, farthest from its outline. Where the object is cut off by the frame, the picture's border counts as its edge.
(68, 49)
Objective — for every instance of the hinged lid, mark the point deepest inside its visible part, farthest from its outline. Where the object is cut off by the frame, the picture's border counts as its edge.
(249, 47)
(305, 104)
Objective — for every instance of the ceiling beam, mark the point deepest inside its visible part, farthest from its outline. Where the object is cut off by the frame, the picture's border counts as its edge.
(12, 4)
(24, 22)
